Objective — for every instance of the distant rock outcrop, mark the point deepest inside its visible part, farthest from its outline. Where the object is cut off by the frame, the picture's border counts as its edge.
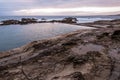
(8, 22)
(69, 20)
(28, 20)
(22, 21)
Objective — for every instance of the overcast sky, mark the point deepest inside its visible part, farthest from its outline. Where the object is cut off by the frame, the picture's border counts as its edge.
(59, 7)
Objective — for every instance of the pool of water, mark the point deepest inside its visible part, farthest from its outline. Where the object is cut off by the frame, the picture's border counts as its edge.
(13, 36)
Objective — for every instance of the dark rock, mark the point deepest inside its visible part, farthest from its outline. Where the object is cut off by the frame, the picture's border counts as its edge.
(106, 34)
(55, 78)
(80, 61)
(116, 35)
(28, 20)
(54, 21)
(8, 22)
(110, 26)
(23, 21)
(77, 76)
(69, 43)
(43, 19)
(69, 20)
(116, 21)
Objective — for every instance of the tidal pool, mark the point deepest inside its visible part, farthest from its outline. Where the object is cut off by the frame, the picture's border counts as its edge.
(13, 36)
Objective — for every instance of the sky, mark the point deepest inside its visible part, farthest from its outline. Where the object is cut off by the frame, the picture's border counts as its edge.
(59, 7)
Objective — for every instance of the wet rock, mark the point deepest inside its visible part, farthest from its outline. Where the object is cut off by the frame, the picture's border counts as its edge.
(53, 21)
(43, 19)
(8, 22)
(23, 21)
(28, 20)
(69, 20)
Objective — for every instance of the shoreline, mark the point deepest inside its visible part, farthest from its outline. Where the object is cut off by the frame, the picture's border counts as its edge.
(67, 20)
(52, 38)
(59, 35)
(78, 53)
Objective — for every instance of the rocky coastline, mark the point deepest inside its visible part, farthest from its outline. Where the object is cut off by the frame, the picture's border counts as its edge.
(80, 55)
(23, 21)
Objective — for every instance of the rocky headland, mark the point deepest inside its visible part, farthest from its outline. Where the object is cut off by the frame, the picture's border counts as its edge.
(80, 55)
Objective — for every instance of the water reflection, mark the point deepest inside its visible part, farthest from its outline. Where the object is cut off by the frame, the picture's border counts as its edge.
(13, 36)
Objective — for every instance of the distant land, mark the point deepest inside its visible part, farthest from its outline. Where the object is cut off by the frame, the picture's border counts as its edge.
(118, 14)
(115, 15)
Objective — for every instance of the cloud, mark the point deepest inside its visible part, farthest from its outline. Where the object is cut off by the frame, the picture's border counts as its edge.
(29, 7)
(44, 11)
(12, 1)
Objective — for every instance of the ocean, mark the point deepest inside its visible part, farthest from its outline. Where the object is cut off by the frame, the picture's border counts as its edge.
(81, 19)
